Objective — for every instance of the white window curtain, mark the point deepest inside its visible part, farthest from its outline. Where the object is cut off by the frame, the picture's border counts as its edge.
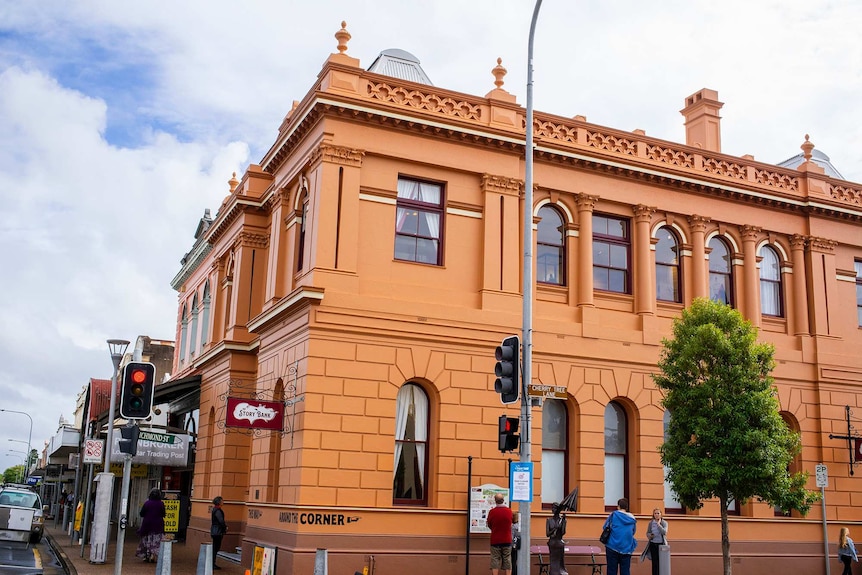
(193, 339)
(615, 454)
(183, 330)
(205, 317)
(411, 425)
(554, 450)
(770, 282)
(419, 192)
(670, 498)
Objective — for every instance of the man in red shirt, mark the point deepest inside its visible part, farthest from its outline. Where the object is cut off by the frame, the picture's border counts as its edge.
(500, 523)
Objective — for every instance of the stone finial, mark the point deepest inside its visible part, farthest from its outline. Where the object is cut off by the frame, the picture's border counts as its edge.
(343, 36)
(499, 71)
(233, 183)
(807, 146)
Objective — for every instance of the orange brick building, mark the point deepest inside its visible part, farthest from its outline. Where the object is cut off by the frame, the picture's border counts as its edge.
(363, 272)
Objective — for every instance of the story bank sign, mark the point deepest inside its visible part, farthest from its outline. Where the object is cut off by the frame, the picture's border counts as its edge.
(154, 448)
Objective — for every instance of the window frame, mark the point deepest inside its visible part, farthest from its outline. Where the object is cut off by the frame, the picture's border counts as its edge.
(775, 284)
(857, 265)
(560, 247)
(565, 450)
(728, 275)
(669, 493)
(677, 281)
(622, 416)
(421, 207)
(421, 501)
(611, 241)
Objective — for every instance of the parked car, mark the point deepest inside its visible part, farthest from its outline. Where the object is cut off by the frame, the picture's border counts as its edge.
(12, 495)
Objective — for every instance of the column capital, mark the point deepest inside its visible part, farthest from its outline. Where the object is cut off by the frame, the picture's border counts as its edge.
(822, 245)
(698, 223)
(749, 233)
(502, 184)
(586, 202)
(643, 213)
(797, 242)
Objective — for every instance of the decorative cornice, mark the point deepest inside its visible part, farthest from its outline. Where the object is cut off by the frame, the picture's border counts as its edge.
(502, 185)
(300, 296)
(251, 240)
(337, 155)
(822, 245)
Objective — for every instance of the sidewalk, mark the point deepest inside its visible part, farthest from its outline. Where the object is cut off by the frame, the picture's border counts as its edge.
(185, 558)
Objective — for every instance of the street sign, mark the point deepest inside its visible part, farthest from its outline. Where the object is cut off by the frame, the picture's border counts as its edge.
(551, 391)
(821, 475)
(521, 481)
(93, 450)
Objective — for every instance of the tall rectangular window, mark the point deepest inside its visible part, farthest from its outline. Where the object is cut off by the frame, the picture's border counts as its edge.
(611, 247)
(858, 266)
(418, 222)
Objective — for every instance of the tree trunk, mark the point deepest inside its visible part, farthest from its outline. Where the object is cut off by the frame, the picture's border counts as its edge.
(725, 536)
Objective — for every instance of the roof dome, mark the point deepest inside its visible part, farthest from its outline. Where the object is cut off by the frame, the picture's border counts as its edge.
(400, 64)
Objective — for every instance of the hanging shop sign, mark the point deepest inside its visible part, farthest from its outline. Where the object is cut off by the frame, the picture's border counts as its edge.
(155, 448)
(254, 414)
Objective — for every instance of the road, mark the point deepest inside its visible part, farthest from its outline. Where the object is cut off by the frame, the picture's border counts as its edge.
(21, 559)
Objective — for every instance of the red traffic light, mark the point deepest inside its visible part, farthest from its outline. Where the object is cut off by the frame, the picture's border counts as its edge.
(139, 375)
(136, 395)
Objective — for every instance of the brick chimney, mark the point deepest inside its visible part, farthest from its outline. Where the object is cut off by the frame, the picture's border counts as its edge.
(702, 122)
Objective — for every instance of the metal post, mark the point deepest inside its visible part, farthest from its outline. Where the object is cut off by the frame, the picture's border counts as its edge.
(123, 512)
(29, 440)
(825, 534)
(85, 520)
(527, 327)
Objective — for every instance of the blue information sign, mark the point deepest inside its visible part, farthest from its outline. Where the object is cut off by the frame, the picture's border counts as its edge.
(520, 481)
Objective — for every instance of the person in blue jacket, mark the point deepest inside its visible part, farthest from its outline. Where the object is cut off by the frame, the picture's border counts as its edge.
(622, 542)
(846, 550)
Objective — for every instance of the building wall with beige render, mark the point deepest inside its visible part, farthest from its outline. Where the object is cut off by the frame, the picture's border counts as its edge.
(355, 324)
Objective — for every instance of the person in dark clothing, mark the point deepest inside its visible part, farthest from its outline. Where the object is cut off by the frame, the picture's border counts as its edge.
(152, 528)
(218, 528)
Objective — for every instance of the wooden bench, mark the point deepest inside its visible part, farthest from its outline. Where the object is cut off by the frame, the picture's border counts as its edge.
(583, 555)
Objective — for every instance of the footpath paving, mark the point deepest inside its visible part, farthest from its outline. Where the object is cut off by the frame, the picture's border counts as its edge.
(184, 557)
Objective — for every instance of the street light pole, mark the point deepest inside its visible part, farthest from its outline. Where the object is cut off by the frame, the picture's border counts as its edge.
(22, 469)
(29, 438)
(105, 491)
(117, 347)
(527, 319)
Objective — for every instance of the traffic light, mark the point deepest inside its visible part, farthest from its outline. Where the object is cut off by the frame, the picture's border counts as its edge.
(129, 439)
(509, 438)
(508, 369)
(136, 396)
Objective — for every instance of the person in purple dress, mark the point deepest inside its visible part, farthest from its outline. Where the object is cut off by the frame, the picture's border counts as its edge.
(152, 528)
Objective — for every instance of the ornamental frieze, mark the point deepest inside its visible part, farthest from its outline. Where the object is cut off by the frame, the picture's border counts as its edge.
(423, 101)
(337, 155)
(250, 240)
(501, 184)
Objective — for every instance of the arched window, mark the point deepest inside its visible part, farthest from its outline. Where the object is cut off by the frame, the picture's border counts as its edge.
(555, 432)
(770, 283)
(671, 503)
(303, 225)
(795, 465)
(184, 326)
(551, 247)
(857, 265)
(667, 266)
(193, 336)
(411, 446)
(205, 316)
(720, 272)
(616, 455)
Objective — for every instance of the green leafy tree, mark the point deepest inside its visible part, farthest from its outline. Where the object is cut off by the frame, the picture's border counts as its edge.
(13, 474)
(726, 438)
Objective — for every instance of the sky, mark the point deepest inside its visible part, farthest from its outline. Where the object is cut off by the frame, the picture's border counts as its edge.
(121, 122)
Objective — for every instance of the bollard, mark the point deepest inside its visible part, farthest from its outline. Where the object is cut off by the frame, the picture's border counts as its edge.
(664, 559)
(205, 560)
(163, 565)
(320, 563)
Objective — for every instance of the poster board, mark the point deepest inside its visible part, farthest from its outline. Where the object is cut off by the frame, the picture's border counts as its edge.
(481, 502)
